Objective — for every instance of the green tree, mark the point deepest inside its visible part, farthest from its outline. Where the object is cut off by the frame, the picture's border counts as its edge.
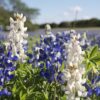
(8, 7)
(2, 3)
(21, 7)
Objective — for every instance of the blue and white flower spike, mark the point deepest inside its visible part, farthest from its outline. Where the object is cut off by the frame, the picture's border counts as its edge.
(17, 37)
(74, 70)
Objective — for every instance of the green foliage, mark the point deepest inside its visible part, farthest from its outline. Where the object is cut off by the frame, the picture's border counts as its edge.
(8, 8)
(32, 41)
(21, 7)
(29, 85)
(31, 26)
(75, 24)
(92, 59)
(4, 19)
(64, 24)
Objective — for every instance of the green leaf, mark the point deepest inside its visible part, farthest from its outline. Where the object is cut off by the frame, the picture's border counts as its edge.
(63, 98)
(14, 89)
(94, 51)
(22, 96)
(95, 59)
(93, 63)
(46, 95)
(62, 67)
(86, 54)
(94, 69)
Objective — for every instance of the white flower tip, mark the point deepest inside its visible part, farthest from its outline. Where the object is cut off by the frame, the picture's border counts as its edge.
(72, 31)
(18, 15)
(25, 29)
(70, 64)
(21, 15)
(24, 19)
(11, 20)
(48, 27)
(78, 36)
(79, 93)
(77, 98)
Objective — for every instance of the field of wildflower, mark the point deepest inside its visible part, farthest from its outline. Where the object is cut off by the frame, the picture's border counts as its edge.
(61, 66)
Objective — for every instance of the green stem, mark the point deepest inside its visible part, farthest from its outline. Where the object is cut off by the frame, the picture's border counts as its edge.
(55, 91)
(92, 97)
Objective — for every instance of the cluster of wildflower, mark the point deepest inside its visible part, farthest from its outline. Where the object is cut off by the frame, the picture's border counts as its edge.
(7, 67)
(95, 41)
(65, 37)
(16, 38)
(74, 70)
(84, 42)
(49, 55)
(93, 87)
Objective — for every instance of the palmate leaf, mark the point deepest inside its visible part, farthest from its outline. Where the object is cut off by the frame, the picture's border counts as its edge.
(91, 65)
(92, 59)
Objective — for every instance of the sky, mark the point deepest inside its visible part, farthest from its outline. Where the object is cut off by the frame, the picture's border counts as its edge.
(64, 10)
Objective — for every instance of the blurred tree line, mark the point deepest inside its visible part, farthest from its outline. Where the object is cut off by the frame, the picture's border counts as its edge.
(8, 7)
(93, 22)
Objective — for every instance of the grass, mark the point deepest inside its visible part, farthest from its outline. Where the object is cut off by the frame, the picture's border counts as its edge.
(88, 28)
(80, 28)
(32, 41)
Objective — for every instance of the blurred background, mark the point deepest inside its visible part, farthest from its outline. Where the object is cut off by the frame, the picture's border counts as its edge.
(82, 15)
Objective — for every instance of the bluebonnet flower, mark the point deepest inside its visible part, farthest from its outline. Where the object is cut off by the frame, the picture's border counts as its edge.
(7, 66)
(65, 37)
(49, 55)
(84, 41)
(5, 92)
(93, 87)
(95, 41)
(49, 52)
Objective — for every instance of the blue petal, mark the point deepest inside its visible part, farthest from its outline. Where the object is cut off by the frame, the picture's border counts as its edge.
(15, 58)
(97, 91)
(96, 79)
(90, 92)
(6, 92)
(87, 86)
